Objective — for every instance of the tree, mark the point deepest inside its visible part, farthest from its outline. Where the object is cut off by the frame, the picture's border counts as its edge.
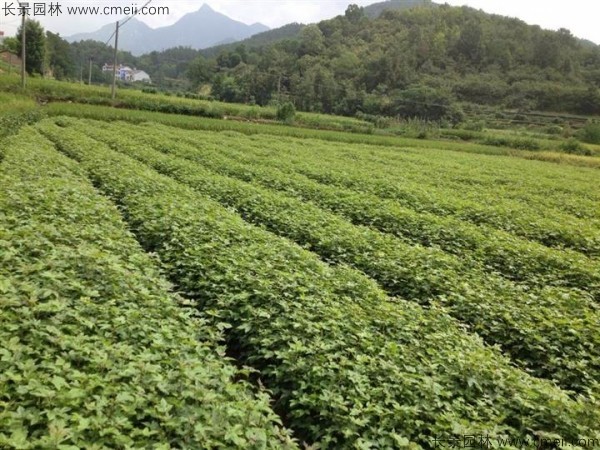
(312, 41)
(200, 71)
(35, 46)
(354, 13)
(59, 57)
(469, 45)
(11, 44)
(226, 88)
(425, 103)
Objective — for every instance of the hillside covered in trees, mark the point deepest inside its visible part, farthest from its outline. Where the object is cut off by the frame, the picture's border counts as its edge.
(418, 62)
(393, 59)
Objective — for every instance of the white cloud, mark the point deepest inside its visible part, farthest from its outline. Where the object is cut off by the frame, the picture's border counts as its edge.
(576, 15)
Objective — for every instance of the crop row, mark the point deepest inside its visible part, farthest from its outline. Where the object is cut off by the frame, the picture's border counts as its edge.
(472, 177)
(499, 311)
(557, 230)
(516, 259)
(95, 351)
(348, 366)
(551, 229)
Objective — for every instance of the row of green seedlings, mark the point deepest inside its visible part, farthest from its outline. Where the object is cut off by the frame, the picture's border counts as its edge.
(551, 229)
(538, 185)
(279, 155)
(517, 259)
(348, 366)
(96, 353)
(527, 324)
(518, 190)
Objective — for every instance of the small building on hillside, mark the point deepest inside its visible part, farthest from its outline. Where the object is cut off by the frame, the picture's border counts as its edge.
(126, 73)
(140, 75)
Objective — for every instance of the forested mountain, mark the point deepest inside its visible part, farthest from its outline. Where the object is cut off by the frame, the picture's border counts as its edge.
(289, 31)
(412, 62)
(427, 61)
(200, 29)
(376, 9)
(293, 30)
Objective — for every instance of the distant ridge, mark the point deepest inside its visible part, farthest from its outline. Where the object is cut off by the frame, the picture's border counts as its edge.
(201, 29)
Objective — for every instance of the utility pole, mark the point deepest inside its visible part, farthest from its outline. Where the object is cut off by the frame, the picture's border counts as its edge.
(90, 73)
(24, 7)
(114, 80)
(80, 71)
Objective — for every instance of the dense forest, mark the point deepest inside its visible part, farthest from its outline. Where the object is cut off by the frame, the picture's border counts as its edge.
(419, 62)
(429, 61)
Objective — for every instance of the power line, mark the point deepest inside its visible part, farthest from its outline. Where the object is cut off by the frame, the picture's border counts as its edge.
(125, 21)
(110, 38)
(116, 35)
(133, 15)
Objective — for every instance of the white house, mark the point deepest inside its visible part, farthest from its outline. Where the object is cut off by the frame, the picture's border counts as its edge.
(140, 75)
(126, 73)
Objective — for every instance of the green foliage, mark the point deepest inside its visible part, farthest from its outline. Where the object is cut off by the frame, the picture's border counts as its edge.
(354, 13)
(380, 256)
(311, 126)
(518, 143)
(426, 104)
(286, 112)
(48, 90)
(35, 46)
(574, 147)
(96, 353)
(554, 130)
(348, 365)
(11, 44)
(59, 58)
(591, 133)
(82, 51)
(11, 123)
(350, 64)
(199, 71)
(478, 125)
(15, 112)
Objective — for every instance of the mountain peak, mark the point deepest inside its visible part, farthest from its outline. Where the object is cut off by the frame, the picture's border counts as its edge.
(206, 8)
(200, 29)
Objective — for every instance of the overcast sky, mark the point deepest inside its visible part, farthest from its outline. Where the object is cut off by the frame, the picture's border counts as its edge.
(579, 16)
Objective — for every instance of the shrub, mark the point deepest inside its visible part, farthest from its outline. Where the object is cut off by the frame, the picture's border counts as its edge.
(554, 129)
(574, 147)
(11, 123)
(478, 125)
(496, 141)
(591, 133)
(525, 144)
(520, 143)
(253, 113)
(286, 112)
(458, 134)
(425, 103)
